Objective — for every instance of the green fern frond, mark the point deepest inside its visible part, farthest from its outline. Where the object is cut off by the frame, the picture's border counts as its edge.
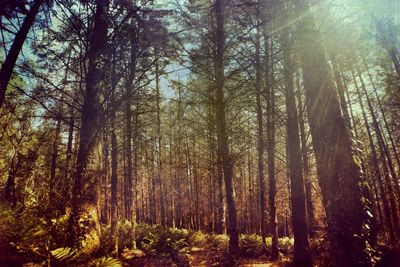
(107, 262)
(65, 253)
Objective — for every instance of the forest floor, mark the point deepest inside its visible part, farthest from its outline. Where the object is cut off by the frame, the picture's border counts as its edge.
(29, 240)
(210, 258)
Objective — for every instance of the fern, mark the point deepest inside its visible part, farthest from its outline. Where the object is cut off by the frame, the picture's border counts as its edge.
(107, 262)
(65, 253)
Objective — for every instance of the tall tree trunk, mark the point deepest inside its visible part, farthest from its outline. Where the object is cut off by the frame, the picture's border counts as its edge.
(302, 255)
(376, 171)
(66, 183)
(136, 215)
(9, 191)
(379, 134)
(388, 35)
(152, 191)
(105, 176)
(338, 173)
(16, 47)
(220, 218)
(386, 161)
(114, 186)
(159, 152)
(269, 75)
(54, 184)
(344, 87)
(129, 198)
(366, 191)
(340, 88)
(84, 195)
(389, 132)
(223, 145)
(252, 214)
(114, 163)
(305, 160)
(128, 153)
(260, 145)
(178, 178)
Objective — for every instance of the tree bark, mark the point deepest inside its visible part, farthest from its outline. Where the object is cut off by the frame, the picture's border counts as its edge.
(159, 152)
(114, 187)
(128, 150)
(384, 117)
(260, 145)
(376, 171)
(16, 47)
(223, 145)
(305, 160)
(380, 136)
(105, 212)
(130, 200)
(269, 76)
(114, 164)
(53, 184)
(340, 89)
(302, 255)
(66, 186)
(178, 178)
(338, 174)
(84, 195)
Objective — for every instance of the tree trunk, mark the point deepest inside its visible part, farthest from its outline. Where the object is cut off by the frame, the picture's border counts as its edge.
(9, 191)
(53, 184)
(380, 136)
(375, 164)
(66, 186)
(105, 176)
(128, 152)
(159, 143)
(129, 190)
(269, 74)
(388, 35)
(152, 193)
(16, 47)
(340, 89)
(389, 132)
(84, 195)
(114, 187)
(305, 160)
(178, 178)
(223, 145)
(338, 174)
(114, 164)
(260, 145)
(298, 198)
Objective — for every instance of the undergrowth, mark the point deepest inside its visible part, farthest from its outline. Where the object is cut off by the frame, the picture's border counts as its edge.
(41, 240)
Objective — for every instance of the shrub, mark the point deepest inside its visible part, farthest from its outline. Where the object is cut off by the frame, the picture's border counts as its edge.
(125, 239)
(197, 239)
(160, 240)
(219, 242)
(286, 244)
(250, 245)
(36, 236)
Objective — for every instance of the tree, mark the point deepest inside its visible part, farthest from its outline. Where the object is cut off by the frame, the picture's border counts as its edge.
(8, 65)
(338, 173)
(83, 193)
(223, 145)
(298, 197)
(271, 126)
(260, 142)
